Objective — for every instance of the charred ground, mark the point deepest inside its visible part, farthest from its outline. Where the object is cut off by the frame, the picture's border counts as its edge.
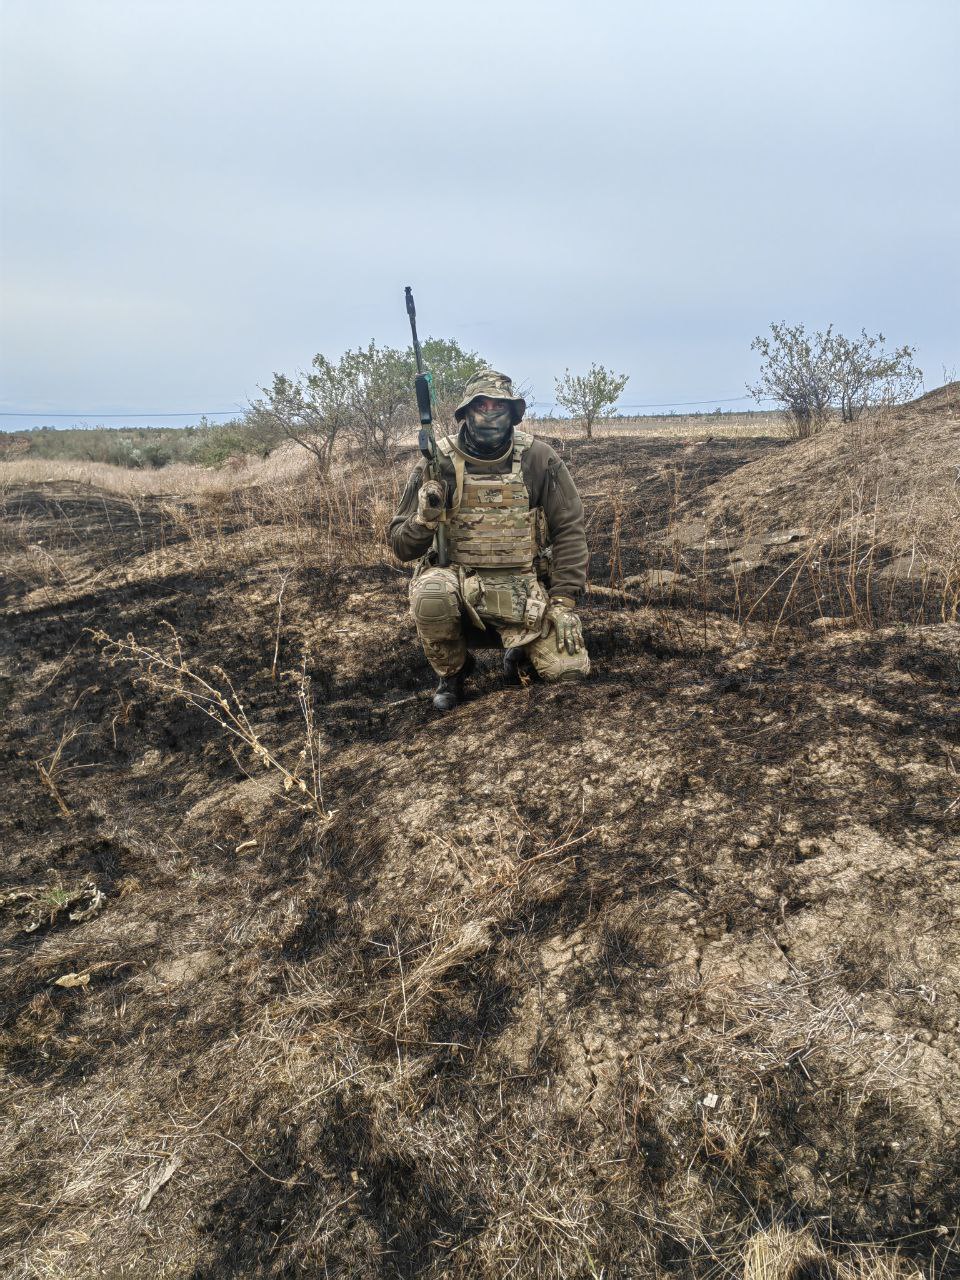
(611, 980)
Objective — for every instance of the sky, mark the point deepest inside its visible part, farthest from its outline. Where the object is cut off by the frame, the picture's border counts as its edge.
(197, 193)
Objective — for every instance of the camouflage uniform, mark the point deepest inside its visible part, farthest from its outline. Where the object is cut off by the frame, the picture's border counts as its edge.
(496, 579)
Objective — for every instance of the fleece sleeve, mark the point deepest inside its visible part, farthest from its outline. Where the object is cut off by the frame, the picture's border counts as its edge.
(408, 538)
(564, 512)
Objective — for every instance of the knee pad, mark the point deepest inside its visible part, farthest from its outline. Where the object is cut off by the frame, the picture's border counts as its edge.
(435, 607)
(556, 667)
(568, 677)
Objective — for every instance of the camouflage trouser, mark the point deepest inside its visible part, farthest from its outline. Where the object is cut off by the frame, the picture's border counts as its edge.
(441, 600)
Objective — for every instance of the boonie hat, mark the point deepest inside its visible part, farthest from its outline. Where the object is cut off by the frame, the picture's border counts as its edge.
(495, 385)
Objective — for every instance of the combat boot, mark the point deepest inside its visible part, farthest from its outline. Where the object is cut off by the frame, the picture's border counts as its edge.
(515, 660)
(450, 689)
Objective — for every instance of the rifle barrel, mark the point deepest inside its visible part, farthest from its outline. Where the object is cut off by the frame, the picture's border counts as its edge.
(427, 440)
(412, 313)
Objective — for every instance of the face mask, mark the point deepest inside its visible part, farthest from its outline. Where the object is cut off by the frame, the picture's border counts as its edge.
(489, 431)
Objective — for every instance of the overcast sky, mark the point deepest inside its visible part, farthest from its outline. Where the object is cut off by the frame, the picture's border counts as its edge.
(196, 193)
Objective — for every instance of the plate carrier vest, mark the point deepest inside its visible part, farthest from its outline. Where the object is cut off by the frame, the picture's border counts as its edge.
(490, 524)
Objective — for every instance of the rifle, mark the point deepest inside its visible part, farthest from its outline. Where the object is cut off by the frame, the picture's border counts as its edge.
(426, 439)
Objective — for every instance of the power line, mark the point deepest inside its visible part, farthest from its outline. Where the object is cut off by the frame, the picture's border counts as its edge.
(229, 413)
(680, 404)
(77, 413)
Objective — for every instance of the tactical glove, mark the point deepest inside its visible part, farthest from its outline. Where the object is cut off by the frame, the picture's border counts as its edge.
(566, 624)
(430, 503)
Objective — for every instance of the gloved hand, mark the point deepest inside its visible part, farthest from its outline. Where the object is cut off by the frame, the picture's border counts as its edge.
(565, 623)
(430, 503)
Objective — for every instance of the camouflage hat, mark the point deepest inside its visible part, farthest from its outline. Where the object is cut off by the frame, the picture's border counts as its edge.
(495, 385)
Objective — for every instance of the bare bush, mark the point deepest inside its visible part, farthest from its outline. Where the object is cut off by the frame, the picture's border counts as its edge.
(170, 676)
(813, 375)
(797, 372)
(865, 375)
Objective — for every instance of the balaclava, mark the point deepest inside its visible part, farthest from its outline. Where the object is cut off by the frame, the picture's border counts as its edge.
(488, 433)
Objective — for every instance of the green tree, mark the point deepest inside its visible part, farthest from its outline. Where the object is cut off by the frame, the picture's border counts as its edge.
(380, 404)
(212, 443)
(366, 394)
(312, 410)
(590, 396)
(451, 367)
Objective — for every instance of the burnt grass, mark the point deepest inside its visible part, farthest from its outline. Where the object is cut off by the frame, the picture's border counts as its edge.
(577, 981)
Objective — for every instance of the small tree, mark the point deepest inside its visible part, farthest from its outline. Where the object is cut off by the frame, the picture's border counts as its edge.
(380, 399)
(366, 394)
(311, 410)
(797, 371)
(865, 374)
(590, 396)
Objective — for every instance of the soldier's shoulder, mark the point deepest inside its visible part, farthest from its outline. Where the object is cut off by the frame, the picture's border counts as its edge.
(536, 451)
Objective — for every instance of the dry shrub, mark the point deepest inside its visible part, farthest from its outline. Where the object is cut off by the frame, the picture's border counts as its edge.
(167, 675)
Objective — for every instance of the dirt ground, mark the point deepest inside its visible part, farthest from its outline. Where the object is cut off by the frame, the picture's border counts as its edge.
(630, 979)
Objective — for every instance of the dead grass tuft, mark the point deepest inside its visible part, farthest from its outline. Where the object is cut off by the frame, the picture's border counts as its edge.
(783, 1254)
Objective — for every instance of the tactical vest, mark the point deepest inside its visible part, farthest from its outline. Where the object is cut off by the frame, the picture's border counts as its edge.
(490, 524)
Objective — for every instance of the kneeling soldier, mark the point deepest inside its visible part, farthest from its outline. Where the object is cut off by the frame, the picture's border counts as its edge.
(496, 482)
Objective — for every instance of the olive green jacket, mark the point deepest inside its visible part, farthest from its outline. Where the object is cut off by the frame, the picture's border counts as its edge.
(549, 485)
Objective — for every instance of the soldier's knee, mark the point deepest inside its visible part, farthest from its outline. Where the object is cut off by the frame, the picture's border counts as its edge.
(435, 604)
(556, 667)
(570, 676)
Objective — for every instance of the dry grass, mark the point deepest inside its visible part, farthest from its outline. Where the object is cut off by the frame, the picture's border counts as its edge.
(61, 536)
(285, 463)
(727, 426)
(782, 1254)
(167, 674)
(851, 533)
(290, 463)
(856, 528)
(654, 978)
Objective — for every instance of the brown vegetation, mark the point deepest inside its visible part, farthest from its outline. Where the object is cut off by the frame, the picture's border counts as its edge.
(654, 977)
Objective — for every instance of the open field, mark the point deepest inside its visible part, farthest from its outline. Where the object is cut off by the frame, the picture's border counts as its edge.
(658, 976)
(176, 479)
(688, 426)
(104, 455)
